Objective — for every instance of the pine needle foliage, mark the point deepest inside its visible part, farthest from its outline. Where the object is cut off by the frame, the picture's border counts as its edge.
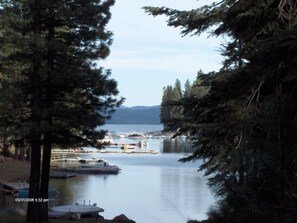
(246, 123)
(51, 53)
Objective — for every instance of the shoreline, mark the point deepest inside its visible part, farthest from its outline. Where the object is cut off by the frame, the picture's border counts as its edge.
(14, 170)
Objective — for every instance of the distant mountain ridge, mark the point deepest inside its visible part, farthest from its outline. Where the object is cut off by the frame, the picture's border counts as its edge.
(146, 115)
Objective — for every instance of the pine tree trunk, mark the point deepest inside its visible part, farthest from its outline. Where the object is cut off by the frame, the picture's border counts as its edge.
(33, 210)
(5, 145)
(22, 152)
(45, 177)
(33, 207)
(28, 153)
(48, 104)
(16, 150)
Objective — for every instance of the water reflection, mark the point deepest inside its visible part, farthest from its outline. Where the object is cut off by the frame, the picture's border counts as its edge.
(150, 188)
(177, 146)
(187, 184)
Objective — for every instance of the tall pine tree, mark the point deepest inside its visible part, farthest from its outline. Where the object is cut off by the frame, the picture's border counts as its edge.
(67, 93)
(246, 121)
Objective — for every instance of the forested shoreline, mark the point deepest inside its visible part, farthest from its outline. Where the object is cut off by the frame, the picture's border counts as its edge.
(146, 115)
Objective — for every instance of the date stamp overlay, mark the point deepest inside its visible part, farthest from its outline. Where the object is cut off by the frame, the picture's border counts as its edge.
(28, 200)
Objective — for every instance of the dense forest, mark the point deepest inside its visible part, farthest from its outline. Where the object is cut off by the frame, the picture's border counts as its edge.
(53, 91)
(244, 115)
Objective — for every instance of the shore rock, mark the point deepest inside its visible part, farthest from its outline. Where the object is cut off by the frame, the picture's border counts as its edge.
(123, 219)
(70, 216)
(16, 211)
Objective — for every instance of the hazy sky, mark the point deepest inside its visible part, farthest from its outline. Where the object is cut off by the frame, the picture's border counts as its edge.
(147, 55)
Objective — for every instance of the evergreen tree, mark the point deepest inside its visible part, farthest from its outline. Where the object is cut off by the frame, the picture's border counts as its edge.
(166, 107)
(187, 89)
(246, 121)
(12, 107)
(66, 93)
(200, 86)
(171, 109)
(176, 97)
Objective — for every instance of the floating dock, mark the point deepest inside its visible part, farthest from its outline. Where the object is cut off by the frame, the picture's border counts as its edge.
(130, 151)
(61, 174)
(79, 210)
(16, 186)
(13, 187)
(110, 150)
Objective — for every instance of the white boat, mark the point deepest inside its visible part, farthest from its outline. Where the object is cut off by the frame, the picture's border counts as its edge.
(24, 193)
(62, 160)
(96, 166)
(87, 166)
(135, 136)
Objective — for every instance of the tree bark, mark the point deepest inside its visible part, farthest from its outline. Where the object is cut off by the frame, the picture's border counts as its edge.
(48, 119)
(33, 207)
(22, 151)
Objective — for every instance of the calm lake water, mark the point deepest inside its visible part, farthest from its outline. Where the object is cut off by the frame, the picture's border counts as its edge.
(150, 188)
(132, 128)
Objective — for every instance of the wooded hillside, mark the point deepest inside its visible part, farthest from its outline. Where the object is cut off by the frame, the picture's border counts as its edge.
(149, 115)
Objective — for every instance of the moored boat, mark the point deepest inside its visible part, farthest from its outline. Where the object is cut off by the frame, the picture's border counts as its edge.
(88, 166)
(24, 193)
(135, 136)
(62, 160)
(96, 166)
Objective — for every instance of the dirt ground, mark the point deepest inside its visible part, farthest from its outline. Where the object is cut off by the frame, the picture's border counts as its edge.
(14, 170)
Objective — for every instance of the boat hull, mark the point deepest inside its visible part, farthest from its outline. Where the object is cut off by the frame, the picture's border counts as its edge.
(24, 193)
(86, 166)
(97, 170)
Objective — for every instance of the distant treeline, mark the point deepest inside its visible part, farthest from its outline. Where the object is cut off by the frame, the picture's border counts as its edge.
(173, 110)
(149, 115)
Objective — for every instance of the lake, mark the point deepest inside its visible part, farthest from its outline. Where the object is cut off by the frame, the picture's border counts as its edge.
(150, 187)
(132, 128)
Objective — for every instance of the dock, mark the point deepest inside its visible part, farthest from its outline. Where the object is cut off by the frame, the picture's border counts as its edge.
(112, 150)
(130, 151)
(61, 174)
(16, 186)
(79, 210)
(13, 187)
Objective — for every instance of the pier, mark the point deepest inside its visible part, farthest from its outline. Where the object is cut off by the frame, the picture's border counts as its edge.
(80, 211)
